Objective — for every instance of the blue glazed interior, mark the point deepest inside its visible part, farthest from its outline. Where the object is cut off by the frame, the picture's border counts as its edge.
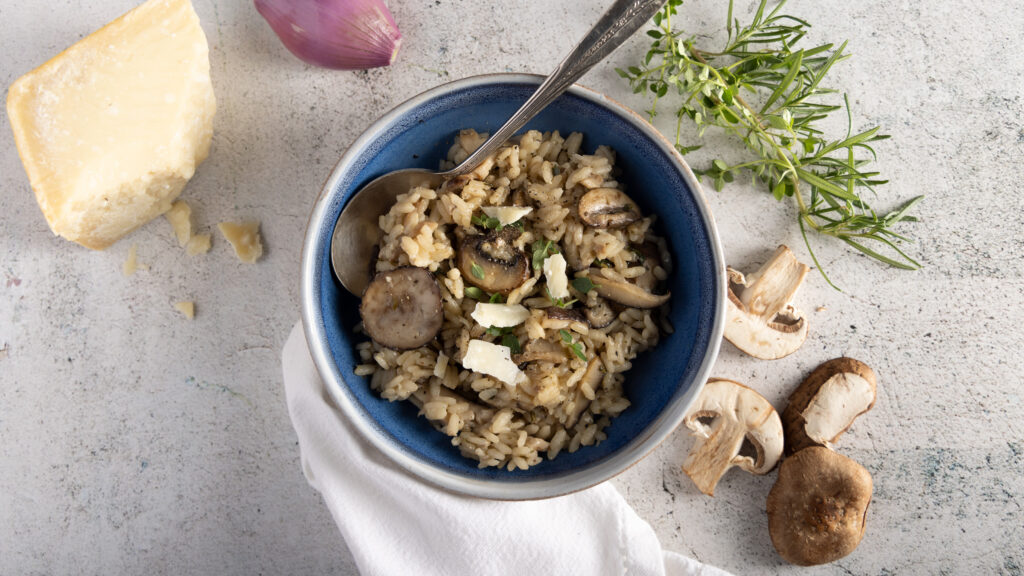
(651, 176)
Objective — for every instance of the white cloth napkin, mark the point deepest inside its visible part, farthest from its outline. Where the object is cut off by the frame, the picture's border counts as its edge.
(394, 523)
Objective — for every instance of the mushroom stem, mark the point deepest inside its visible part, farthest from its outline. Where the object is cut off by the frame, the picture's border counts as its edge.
(774, 284)
(712, 453)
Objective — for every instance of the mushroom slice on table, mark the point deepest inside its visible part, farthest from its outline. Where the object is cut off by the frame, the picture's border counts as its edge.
(817, 507)
(607, 208)
(736, 413)
(401, 308)
(759, 317)
(623, 292)
(492, 262)
(827, 403)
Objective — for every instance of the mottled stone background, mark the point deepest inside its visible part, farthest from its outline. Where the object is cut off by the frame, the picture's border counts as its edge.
(133, 441)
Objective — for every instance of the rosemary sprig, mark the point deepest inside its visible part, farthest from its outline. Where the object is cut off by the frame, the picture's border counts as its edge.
(767, 92)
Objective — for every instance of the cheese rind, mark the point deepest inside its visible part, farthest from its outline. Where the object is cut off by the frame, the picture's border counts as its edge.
(111, 129)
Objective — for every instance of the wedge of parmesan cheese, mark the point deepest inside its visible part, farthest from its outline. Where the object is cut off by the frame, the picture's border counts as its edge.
(111, 129)
(244, 238)
(493, 360)
(507, 214)
(499, 315)
(554, 272)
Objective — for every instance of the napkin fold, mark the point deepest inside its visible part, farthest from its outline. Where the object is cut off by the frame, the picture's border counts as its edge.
(396, 524)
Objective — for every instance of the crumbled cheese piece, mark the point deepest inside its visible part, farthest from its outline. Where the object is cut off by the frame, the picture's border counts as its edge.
(507, 214)
(244, 238)
(186, 308)
(554, 271)
(131, 263)
(180, 217)
(198, 244)
(111, 129)
(493, 360)
(499, 315)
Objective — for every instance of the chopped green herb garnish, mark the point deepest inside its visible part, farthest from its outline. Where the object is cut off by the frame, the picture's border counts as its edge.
(497, 298)
(485, 221)
(474, 292)
(583, 284)
(558, 301)
(477, 270)
(541, 250)
(576, 347)
(603, 263)
(494, 331)
(512, 342)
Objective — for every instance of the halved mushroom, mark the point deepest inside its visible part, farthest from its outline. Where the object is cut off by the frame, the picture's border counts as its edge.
(607, 208)
(736, 413)
(492, 262)
(623, 292)
(818, 506)
(759, 317)
(541, 350)
(401, 308)
(827, 402)
(600, 314)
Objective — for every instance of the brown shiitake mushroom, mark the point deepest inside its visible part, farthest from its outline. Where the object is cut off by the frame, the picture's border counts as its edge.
(623, 292)
(492, 262)
(607, 208)
(540, 350)
(818, 506)
(401, 308)
(569, 314)
(827, 403)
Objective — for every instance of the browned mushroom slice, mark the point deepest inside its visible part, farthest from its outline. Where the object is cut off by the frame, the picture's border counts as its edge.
(607, 208)
(558, 313)
(401, 308)
(624, 292)
(540, 350)
(491, 262)
(600, 315)
(817, 508)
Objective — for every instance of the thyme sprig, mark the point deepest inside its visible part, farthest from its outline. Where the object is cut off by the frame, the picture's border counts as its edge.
(763, 89)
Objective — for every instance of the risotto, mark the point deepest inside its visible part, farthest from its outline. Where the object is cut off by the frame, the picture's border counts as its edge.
(509, 303)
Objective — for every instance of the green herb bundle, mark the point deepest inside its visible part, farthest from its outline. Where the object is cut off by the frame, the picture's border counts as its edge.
(764, 90)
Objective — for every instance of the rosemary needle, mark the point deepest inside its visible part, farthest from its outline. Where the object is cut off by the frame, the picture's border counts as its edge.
(767, 92)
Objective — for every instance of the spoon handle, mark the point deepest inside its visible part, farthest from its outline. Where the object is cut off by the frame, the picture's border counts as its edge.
(618, 23)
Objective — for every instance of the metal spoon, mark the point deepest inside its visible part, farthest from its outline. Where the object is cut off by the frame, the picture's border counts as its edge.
(356, 232)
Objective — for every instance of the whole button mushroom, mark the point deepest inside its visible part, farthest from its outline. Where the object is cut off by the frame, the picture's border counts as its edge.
(818, 506)
(401, 308)
(736, 413)
(759, 317)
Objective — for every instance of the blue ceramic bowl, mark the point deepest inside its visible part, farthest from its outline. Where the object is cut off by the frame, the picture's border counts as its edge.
(663, 381)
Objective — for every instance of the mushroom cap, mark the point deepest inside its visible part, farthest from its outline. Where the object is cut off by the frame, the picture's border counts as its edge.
(759, 317)
(491, 261)
(739, 413)
(623, 292)
(607, 208)
(824, 406)
(401, 308)
(817, 507)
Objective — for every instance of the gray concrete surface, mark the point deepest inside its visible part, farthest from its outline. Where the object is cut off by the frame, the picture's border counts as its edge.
(133, 441)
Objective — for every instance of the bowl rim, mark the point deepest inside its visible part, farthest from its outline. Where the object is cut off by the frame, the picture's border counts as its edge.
(528, 489)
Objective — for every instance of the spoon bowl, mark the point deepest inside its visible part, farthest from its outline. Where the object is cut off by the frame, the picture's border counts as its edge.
(355, 234)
